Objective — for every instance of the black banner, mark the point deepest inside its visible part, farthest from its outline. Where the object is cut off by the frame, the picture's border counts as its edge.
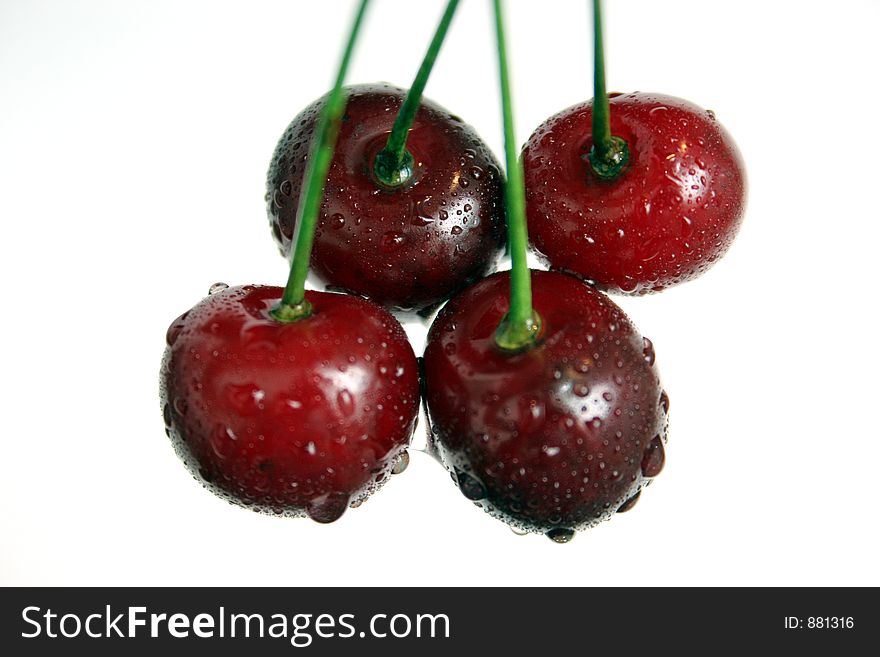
(334, 621)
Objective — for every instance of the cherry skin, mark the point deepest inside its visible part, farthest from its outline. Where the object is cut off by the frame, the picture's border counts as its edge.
(302, 418)
(408, 247)
(556, 438)
(672, 212)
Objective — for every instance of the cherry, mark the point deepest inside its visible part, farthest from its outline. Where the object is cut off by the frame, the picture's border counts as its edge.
(672, 212)
(558, 437)
(634, 192)
(410, 245)
(543, 399)
(301, 418)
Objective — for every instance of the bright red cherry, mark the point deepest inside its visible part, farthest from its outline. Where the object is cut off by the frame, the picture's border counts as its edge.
(666, 218)
(408, 246)
(558, 437)
(300, 418)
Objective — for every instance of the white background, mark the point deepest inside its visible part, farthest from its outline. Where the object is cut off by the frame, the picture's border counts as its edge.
(134, 141)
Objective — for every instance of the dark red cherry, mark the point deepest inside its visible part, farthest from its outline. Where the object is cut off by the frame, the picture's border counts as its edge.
(410, 246)
(671, 213)
(559, 437)
(303, 418)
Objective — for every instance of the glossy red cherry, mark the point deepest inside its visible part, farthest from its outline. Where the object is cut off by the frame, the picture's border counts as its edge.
(409, 246)
(559, 437)
(671, 213)
(302, 418)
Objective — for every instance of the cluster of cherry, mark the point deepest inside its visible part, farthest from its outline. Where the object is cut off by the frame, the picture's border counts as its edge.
(542, 398)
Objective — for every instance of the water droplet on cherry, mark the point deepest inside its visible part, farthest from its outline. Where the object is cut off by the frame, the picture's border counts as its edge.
(630, 503)
(345, 402)
(471, 487)
(560, 535)
(217, 287)
(648, 351)
(402, 463)
(391, 241)
(328, 507)
(664, 402)
(654, 458)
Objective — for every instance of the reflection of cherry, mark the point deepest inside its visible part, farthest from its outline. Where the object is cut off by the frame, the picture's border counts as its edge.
(409, 245)
(299, 418)
(560, 436)
(671, 212)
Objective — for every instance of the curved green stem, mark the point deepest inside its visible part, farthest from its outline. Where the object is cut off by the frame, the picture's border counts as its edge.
(609, 154)
(293, 304)
(521, 324)
(394, 164)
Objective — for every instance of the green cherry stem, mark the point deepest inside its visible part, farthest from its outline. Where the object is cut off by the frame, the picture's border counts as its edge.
(609, 154)
(293, 304)
(521, 324)
(394, 164)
